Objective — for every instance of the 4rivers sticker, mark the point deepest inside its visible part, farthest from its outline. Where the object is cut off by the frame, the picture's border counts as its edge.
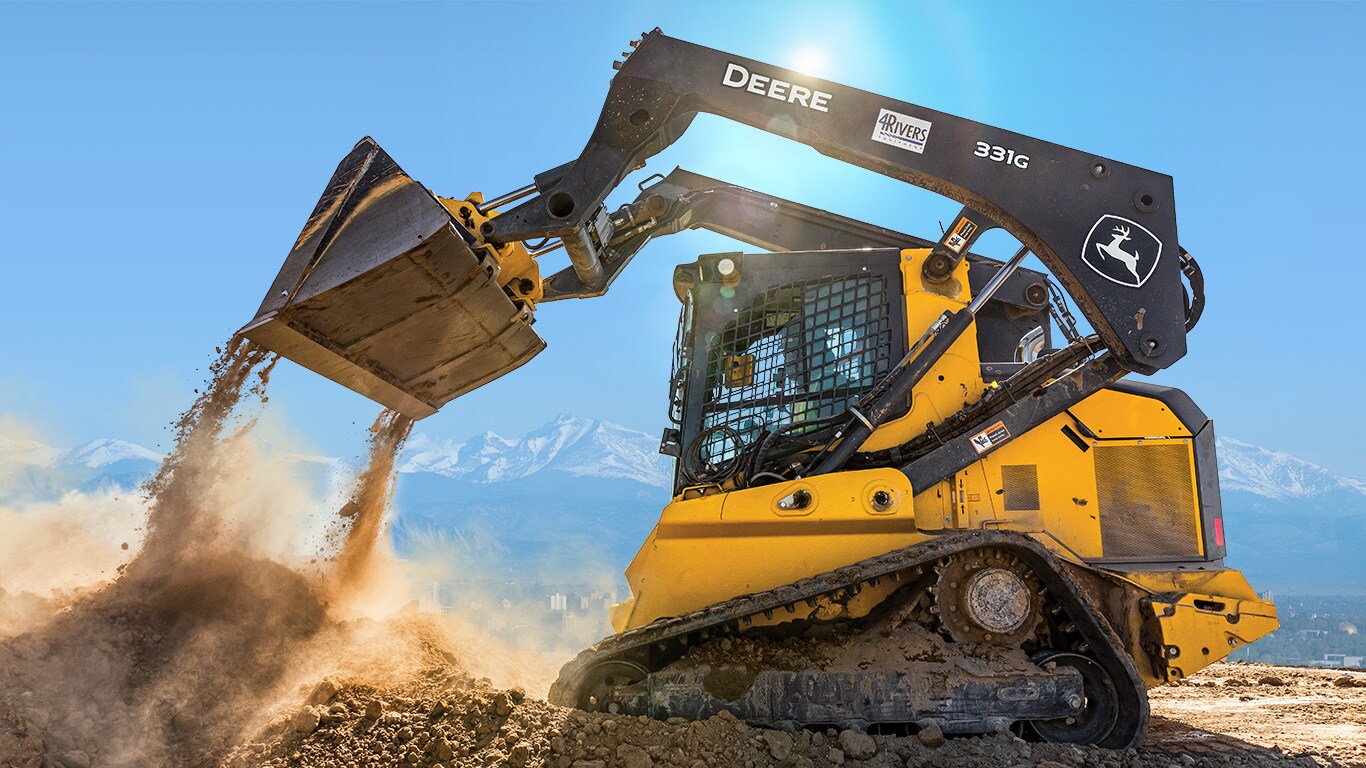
(902, 131)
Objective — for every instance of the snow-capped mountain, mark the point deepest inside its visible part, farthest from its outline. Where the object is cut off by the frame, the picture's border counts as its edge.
(570, 444)
(15, 451)
(33, 471)
(102, 453)
(578, 493)
(1277, 475)
(585, 447)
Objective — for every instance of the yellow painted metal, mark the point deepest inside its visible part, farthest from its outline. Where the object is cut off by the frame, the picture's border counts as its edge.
(715, 547)
(729, 543)
(1067, 516)
(954, 381)
(1124, 415)
(1225, 583)
(518, 271)
(713, 543)
(1197, 630)
(739, 370)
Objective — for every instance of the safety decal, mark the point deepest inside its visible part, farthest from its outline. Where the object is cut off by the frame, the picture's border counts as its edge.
(990, 437)
(961, 234)
(1121, 251)
(902, 131)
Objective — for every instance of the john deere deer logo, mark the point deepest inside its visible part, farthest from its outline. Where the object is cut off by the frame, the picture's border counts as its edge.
(1121, 251)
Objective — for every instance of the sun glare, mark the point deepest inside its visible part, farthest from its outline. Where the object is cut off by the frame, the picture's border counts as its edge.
(810, 60)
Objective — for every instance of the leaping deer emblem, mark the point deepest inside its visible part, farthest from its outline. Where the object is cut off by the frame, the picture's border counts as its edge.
(1112, 250)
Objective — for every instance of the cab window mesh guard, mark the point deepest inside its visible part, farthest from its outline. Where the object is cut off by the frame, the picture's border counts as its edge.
(801, 352)
(679, 372)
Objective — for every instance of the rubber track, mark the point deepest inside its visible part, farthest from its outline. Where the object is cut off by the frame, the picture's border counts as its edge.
(1104, 645)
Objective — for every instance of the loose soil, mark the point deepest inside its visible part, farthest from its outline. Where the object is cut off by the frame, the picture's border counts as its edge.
(442, 716)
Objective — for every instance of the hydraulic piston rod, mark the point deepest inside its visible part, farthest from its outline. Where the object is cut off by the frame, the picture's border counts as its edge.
(865, 418)
(511, 197)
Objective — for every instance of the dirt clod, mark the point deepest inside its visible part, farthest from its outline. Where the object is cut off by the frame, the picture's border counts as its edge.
(324, 692)
(931, 736)
(631, 756)
(857, 745)
(779, 744)
(502, 704)
(306, 720)
(374, 709)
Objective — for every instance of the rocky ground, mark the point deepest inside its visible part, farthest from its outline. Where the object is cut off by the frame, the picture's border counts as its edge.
(1231, 708)
(1230, 715)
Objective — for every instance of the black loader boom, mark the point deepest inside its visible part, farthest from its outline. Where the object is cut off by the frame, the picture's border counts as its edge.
(411, 300)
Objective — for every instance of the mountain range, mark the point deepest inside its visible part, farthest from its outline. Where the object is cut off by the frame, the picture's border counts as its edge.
(576, 446)
(580, 494)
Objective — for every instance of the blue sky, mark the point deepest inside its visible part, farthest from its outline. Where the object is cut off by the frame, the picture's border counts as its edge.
(161, 158)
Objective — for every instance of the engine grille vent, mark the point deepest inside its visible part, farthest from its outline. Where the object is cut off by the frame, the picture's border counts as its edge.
(1020, 486)
(1146, 501)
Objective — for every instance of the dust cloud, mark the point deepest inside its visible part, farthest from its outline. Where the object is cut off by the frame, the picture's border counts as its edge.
(226, 600)
(59, 547)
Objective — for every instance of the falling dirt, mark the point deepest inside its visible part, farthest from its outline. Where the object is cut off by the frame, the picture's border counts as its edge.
(167, 663)
(365, 512)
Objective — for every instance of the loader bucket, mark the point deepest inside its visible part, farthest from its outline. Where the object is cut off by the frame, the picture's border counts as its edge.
(383, 294)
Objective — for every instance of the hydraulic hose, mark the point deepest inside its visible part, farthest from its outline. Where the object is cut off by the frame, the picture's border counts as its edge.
(902, 380)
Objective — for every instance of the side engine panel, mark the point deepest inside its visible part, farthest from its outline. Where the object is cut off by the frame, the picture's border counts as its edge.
(1126, 478)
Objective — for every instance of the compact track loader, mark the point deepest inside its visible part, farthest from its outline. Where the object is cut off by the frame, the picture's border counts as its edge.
(899, 499)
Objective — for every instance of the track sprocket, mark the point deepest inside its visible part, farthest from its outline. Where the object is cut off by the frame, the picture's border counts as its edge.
(988, 596)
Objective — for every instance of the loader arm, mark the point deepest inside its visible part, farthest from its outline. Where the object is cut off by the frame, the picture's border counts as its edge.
(685, 200)
(1106, 229)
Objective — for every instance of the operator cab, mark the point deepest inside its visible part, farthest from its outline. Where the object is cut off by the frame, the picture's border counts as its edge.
(782, 343)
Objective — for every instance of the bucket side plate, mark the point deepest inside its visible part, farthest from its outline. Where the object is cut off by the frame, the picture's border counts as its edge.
(383, 294)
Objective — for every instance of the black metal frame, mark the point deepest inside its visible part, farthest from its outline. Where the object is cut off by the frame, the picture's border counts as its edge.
(960, 451)
(717, 303)
(1051, 205)
(685, 200)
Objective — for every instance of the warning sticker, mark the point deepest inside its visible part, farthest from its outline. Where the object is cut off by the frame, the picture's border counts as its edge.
(961, 234)
(990, 437)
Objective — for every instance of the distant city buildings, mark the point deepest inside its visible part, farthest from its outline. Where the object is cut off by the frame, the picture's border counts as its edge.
(1317, 631)
(1338, 660)
(538, 615)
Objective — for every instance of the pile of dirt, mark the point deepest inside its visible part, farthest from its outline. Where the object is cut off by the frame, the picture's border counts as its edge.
(169, 663)
(439, 716)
